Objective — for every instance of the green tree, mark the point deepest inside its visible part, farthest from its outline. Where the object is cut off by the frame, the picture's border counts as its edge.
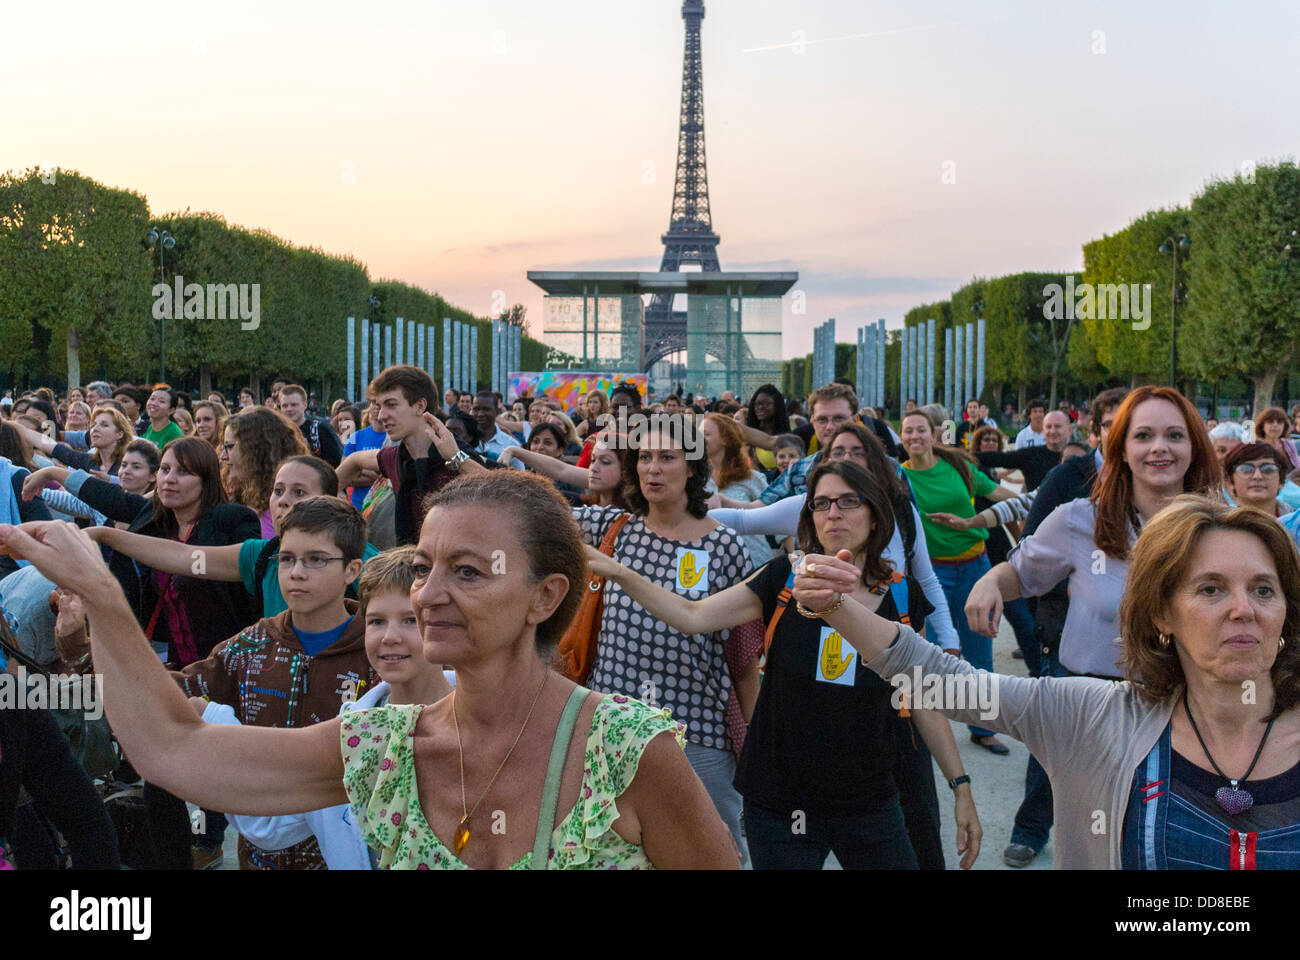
(71, 262)
(1243, 313)
(1127, 348)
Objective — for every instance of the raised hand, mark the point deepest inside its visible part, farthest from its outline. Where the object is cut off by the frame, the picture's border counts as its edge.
(64, 554)
(949, 520)
(37, 480)
(601, 565)
(440, 437)
(984, 608)
(820, 579)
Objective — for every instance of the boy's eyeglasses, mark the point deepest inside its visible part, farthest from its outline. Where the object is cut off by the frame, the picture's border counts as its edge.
(316, 561)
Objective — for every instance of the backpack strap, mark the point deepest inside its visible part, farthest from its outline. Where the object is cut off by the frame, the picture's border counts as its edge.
(259, 573)
(782, 601)
(898, 590)
(554, 771)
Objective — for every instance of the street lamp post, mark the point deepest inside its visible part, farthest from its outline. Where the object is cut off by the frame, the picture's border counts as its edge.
(1172, 245)
(163, 241)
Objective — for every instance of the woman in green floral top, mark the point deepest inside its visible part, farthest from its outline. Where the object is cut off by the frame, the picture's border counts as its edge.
(500, 570)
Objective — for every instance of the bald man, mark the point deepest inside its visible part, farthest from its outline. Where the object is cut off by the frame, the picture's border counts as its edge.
(1035, 462)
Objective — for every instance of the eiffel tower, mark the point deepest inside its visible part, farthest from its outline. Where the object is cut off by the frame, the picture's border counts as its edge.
(690, 237)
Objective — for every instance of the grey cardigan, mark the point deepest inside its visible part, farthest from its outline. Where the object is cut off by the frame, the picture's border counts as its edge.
(1088, 734)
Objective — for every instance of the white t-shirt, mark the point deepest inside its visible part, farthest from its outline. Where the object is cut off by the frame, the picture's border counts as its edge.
(1027, 438)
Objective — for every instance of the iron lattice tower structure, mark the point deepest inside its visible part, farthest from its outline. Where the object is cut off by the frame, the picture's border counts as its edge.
(690, 237)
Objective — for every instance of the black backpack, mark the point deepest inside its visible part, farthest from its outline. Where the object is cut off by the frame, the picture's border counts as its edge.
(906, 521)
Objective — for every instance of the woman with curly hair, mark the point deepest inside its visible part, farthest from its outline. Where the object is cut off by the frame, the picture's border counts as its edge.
(256, 441)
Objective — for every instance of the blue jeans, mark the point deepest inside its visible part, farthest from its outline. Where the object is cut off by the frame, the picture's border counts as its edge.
(1016, 613)
(874, 841)
(957, 580)
(716, 770)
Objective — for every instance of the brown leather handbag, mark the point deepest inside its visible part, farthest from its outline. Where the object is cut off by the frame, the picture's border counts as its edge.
(575, 654)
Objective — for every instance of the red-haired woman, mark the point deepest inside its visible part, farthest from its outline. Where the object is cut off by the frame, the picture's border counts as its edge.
(1157, 449)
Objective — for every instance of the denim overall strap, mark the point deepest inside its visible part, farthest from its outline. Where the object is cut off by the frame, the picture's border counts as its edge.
(1143, 845)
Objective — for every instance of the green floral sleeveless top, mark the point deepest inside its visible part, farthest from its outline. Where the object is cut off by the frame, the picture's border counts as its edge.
(379, 775)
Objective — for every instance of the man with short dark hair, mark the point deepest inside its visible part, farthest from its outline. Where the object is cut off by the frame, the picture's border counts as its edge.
(493, 440)
(1032, 435)
(321, 439)
(424, 456)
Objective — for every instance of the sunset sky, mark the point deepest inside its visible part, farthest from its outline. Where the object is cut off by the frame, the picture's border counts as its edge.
(490, 138)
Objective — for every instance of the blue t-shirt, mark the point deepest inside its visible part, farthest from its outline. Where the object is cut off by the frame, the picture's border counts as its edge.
(314, 643)
(367, 438)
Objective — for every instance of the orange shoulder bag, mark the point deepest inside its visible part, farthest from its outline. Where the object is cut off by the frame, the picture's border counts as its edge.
(575, 654)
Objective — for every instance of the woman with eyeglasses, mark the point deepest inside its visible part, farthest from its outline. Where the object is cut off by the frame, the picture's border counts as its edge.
(1253, 474)
(907, 550)
(824, 749)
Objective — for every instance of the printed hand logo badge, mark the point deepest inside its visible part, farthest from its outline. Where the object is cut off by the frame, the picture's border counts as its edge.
(833, 666)
(687, 572)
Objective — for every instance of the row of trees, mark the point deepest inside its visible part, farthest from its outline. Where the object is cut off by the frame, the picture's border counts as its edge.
(77, 294)
(1232, 311)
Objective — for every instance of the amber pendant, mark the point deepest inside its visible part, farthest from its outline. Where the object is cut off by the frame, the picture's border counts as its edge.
(461, 837)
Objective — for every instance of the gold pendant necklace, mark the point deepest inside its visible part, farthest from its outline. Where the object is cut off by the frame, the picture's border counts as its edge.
(461, 837)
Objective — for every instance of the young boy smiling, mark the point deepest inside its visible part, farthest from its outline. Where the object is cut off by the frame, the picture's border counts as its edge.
(395, 649)
(297, 668)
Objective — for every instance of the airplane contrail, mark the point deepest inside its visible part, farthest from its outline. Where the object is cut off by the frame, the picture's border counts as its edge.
(850, 36)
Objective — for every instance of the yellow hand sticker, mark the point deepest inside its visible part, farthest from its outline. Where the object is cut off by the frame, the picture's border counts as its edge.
(832, 664)
(692, 569)
(688, 574)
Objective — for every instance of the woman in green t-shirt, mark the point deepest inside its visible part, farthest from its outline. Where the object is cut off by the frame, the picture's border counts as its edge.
(159, 408)
(944, 482)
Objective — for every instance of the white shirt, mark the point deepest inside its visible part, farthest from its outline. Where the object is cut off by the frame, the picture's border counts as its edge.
(1028, 437)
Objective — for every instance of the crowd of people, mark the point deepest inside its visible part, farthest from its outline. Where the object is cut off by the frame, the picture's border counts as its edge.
(667, 634)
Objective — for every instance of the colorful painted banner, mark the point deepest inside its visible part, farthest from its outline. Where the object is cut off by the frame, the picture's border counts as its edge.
(570, 386)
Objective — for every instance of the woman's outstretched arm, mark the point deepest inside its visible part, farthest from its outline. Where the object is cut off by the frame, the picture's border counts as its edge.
(236, 769)
(728, 608)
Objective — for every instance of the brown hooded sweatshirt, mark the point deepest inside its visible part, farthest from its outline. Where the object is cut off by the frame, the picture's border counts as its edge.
(270, 681)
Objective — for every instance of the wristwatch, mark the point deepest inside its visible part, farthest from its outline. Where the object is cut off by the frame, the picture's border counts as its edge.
(454, 463)
(956, 782)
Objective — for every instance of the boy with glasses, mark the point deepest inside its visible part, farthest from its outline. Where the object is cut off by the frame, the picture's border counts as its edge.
(297, 668)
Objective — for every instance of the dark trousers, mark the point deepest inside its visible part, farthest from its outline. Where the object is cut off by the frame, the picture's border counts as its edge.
(173, 832)
(874, 841)
(914, 776)
(1033, 823)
